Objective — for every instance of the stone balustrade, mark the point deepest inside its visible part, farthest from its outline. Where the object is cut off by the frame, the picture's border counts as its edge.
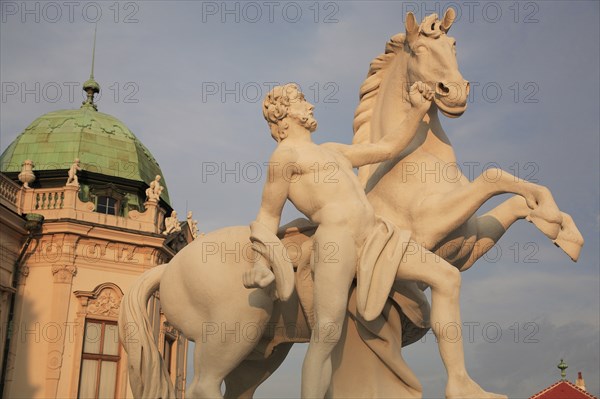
(47, 200)
(64, 203)
(9, 191)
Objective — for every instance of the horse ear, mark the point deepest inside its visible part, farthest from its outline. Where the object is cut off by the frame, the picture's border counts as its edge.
(412, 28)
(449, 17)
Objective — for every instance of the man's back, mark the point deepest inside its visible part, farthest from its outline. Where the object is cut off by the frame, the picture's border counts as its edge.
(324, 186)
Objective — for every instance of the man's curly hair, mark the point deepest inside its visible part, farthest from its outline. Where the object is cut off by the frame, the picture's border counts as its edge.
(275, 108)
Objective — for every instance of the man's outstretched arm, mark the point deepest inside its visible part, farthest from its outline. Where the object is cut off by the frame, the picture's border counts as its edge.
(391, 144)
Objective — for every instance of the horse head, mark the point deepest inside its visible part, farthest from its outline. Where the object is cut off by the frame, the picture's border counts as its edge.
(432, 60)
(424, 53)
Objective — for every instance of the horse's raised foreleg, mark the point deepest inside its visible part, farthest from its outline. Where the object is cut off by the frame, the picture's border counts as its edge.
(440, 214)
(493, 224)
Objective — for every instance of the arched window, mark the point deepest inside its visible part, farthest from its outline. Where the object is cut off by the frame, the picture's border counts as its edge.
(99, 373)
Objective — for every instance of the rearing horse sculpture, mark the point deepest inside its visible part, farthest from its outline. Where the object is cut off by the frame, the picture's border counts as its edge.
(423, 190)
(201, 289)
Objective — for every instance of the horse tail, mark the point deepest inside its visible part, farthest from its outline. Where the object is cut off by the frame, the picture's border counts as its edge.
(148, 374)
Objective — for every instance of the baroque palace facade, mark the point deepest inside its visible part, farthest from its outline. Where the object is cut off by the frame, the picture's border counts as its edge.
(82, 215)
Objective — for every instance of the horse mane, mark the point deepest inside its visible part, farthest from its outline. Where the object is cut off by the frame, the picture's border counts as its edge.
(430, 27)
(370, 88)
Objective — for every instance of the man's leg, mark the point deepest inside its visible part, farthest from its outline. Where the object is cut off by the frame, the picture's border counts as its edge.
(444, 280)
(334, 256)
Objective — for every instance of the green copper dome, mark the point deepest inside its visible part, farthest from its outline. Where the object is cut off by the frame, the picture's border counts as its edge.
(102, 143)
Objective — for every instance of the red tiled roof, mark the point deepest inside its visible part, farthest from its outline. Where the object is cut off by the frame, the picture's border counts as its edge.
(563, 390)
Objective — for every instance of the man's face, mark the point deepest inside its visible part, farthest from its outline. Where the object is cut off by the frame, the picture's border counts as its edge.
(302, 111)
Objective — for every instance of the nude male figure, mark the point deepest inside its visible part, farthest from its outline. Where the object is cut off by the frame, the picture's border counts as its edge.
(72, 180)
(345, 217)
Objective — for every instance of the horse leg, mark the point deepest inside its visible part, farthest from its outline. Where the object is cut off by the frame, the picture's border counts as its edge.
(492, 225)
(243, 381)
(213, 361)
(208, 372)
(439, 214)
(569, 237)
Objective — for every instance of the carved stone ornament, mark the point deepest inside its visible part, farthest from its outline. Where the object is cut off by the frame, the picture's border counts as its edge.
(106, 304)
(172, 224)
(64, 273)
(27, 176)
(192, 224)
(72, 179)
(154, 190)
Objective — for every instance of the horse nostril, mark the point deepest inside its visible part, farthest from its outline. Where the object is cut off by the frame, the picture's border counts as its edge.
(442, 89)
(468, 88)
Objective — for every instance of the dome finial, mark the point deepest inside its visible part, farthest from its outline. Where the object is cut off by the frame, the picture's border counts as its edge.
(90, 86)
(563, 366)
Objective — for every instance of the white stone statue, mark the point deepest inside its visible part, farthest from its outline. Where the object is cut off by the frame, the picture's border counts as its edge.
(245, 334)
(346, 220)
(154, 191)
(72, 180)
(172, 224)
(193, 224)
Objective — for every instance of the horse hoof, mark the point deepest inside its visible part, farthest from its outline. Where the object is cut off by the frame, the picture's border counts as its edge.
(570, 248)
(569, 238)
(550, 229)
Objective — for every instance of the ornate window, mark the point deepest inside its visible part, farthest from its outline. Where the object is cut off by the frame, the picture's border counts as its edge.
(109, 199)
(98, 372)
(106, 205)
(99, 360)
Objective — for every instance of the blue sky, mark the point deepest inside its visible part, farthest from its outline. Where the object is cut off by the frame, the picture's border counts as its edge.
(188, 79)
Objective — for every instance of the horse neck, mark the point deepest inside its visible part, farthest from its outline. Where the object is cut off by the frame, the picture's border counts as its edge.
(393, 100)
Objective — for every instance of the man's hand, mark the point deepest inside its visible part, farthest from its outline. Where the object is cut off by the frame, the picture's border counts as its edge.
(260, 276)
(420, 96)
